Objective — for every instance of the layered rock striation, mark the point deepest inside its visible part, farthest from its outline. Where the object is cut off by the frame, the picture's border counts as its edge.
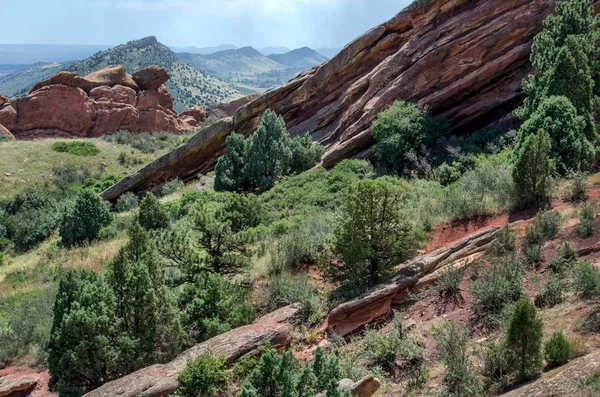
(105, 101)
(463, 59)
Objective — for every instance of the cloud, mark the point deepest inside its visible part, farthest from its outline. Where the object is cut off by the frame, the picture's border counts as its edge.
(223, 7)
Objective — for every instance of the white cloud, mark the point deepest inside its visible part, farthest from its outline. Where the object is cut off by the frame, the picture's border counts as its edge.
(223, 7)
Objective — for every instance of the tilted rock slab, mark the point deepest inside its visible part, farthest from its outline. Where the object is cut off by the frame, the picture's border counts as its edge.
(352, 315)
(464, 59)
(17, 385)
(162, 379)
(562, 381)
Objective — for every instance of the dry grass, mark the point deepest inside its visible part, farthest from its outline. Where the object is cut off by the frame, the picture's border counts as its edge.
(25, 163)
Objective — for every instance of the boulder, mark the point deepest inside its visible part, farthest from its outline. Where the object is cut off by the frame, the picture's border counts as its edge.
(157, 119)
(113, 116)
(3, 100)
(8, 115)
(365, 387)
(151, 77)
(165, 99)
(118, 93)
(12, 385)
(5, 133)
(162, 379)
(284, 315)
(111, 76)
(228, 109)
(198, 113)
(56, 108)
(70, 79)
(148, 100)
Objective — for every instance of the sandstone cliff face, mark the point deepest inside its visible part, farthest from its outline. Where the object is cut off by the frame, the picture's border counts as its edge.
(464, 59)
(102, 102)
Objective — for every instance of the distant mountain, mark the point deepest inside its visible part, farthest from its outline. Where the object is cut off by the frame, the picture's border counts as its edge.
(273, 50)
(301, 58)
(34, 53)
(329, 52)
(188, 85)
(12, 68)
(233, 64)
(204, 50)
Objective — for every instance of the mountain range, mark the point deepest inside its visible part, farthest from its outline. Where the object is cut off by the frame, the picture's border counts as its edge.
(188, 85)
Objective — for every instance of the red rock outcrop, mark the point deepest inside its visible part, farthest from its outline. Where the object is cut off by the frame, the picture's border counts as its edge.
(223, 110)
(5, 133)
(162, 379)
(102, 102)
(151, 77)
(464, 59)
(194, 115)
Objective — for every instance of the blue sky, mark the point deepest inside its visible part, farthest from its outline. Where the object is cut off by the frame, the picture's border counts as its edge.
(260, 23)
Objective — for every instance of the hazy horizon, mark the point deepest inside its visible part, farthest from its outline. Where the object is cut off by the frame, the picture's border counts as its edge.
(188, 23)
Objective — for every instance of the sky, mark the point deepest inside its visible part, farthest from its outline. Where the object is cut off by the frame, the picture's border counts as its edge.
(200, 23)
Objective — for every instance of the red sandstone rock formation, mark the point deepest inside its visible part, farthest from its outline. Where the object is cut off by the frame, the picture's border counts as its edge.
(4, 132)
(464, 59)
(102, 102)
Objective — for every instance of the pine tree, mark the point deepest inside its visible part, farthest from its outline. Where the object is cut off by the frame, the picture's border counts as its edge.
(152, 215)
(533, 169)
(230, 171)
(524, 339)
(83, 222)
(84, 349)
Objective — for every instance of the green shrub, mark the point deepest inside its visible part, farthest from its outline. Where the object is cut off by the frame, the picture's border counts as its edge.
(524, 334)
(578, 187)
(280, 375)
(586, 279)
(460, 377)
(268, 155)
(213, 305)
(204, 376)
(552, 291)
(376, 232)
(557, 350)
(493, 290)
(69, 174)
(77, 148)
(401, 129)
(449, 280)
(544, 227)
(534, 169)
(171, 187)
(395, 346)
(285, 290)
(31, 216)
(83, 222)
(496, 367)
(27, 327)
(129, 160)
(127, 202)
(566, 259)
(152, 214)
(99, 184)
(504, 242)
(587, 215)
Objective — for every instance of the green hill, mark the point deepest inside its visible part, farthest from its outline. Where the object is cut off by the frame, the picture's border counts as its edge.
(188, 85)
(301, 58)
(233, 64)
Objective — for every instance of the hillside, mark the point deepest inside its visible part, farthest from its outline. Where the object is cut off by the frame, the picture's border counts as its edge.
(233, 64)
(35, 53)
(188, 85)
(300, 58)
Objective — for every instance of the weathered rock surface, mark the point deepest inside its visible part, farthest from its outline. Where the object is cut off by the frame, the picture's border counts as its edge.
(195, 114)
(352, 315)
(67, 105)
(11, 385)
(162, 379)
(4, 132)
(563, 381)
(464, 59)
(365, 387)
(223, 110)
(151, 77)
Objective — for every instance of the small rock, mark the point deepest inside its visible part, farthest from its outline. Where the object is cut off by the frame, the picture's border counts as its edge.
(410, 324)
(10, 385)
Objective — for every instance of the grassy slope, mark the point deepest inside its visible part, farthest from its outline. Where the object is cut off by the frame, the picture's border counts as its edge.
(26, 163)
